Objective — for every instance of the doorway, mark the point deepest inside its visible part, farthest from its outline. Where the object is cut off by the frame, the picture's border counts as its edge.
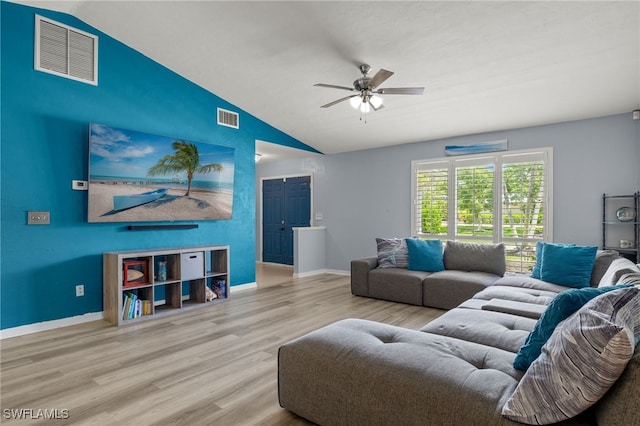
(286, 203)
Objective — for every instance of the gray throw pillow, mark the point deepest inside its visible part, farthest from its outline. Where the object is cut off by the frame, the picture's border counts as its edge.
(392, 253)
(475, 257)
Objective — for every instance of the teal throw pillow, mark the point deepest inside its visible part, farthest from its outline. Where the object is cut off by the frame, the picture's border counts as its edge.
(569, 266)
(535, 272)
(425, 255)
(561, 307)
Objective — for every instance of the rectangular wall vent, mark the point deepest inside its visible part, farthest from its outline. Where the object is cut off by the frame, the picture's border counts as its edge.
(228, 118)
(66, 51)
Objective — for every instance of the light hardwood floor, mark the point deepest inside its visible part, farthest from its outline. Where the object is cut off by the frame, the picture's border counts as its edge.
(212, 366)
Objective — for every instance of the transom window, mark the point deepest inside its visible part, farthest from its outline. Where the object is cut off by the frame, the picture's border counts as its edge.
(490, 198)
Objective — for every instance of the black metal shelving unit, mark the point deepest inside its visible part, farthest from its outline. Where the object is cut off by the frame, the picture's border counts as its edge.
(622, 235)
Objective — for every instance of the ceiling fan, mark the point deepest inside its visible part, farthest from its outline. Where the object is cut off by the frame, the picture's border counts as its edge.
(367, 87)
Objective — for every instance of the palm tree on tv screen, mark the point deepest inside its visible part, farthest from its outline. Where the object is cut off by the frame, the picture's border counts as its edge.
(185, 158)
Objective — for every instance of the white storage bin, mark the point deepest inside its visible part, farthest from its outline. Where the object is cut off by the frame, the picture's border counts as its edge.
(192, 265)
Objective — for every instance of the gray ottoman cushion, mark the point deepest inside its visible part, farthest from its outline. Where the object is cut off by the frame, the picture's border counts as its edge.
(357, 372)
(525, 295)
(447, 289)
(500, 330)
(397, 285)
(523, 309)
(525, 281)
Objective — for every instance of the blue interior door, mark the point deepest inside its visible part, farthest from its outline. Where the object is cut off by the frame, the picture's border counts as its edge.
(286, 204)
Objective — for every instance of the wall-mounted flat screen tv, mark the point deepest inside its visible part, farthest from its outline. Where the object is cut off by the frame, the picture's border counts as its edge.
(140, 177)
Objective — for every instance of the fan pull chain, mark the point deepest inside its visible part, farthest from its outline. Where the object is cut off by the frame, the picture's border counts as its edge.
(365, 116)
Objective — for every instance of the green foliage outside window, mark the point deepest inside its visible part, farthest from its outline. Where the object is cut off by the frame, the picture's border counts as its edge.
(522, 198)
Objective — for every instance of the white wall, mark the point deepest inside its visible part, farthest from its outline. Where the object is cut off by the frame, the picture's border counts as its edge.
(365, 194)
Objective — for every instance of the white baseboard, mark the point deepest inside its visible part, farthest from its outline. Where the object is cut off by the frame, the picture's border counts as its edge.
(319, 272)
(243, 287)
(23, 330)
(338, 272)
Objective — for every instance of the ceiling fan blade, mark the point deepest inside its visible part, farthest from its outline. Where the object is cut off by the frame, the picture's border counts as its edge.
(401, 91)
(333, 86)
(380, 77)
(337, 101)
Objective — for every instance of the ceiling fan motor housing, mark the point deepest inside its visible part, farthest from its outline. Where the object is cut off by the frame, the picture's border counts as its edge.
(362, 83)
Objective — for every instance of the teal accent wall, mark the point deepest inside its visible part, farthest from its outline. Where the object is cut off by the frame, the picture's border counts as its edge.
(44, 146)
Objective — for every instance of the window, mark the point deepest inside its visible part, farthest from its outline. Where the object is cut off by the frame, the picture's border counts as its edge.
(503, 197)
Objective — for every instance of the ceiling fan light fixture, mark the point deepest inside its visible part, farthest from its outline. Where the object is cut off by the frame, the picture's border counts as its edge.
(365, 107)
(376, 101)
(355, 102)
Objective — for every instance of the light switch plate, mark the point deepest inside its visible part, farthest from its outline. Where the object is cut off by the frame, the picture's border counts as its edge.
(38, 218)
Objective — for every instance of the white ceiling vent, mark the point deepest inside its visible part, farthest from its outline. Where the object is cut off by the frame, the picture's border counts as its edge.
(66, 51)
(228, 118)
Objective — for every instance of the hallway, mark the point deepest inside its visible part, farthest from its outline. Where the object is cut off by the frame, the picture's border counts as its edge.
(271, 274)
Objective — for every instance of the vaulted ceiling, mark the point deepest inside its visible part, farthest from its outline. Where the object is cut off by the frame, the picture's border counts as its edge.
(485, 66)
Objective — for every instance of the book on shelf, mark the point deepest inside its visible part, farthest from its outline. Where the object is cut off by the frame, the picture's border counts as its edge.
(134, 307)
(219, 287)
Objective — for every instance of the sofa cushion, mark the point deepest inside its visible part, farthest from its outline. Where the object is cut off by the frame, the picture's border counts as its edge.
(425, 255)
(560, 308)
(523, 309)
(392, 253)
(619, 406)
(488, 258)
(619, 267)
(522, 281)
(523, 295)
(581, 360)
(496, 329)
(567, 265)
(447, 289)
(397, 285)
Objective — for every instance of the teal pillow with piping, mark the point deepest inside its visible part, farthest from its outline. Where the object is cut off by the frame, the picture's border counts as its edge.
(569, 266)
(535, 272)
(425, 255)
(561, 307)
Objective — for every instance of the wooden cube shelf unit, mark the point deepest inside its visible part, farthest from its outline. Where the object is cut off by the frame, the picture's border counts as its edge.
(142, 284)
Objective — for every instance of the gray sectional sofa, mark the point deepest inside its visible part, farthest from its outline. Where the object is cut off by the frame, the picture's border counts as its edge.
(456, 370)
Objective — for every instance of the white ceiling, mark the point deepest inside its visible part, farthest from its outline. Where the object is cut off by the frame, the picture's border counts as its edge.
(486, 66)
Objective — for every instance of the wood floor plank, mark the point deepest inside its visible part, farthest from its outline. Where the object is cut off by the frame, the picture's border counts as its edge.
(210, 366)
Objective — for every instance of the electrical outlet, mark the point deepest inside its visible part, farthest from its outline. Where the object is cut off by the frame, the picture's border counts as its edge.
(38, 218)
(79, 290)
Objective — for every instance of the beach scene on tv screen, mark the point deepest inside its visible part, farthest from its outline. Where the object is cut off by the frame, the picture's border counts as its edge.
(141, 177)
